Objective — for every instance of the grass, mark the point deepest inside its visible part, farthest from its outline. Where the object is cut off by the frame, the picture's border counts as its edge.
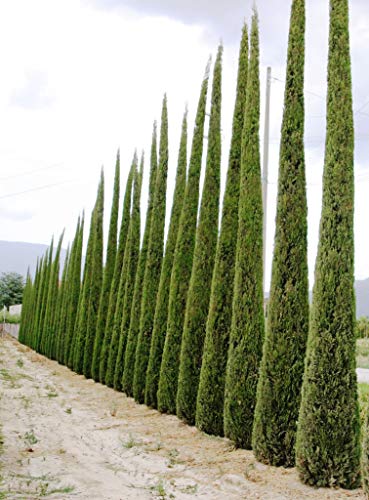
(159, 490)
(131, 442)
(30, 438)
(362, 353)
(36, 487)
(12, 318)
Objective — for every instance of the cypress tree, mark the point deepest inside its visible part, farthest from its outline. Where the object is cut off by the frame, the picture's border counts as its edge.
(161, 311)
(28, 321)
(133, 251)
(153, 263)
(43, 298)
(282, 367)
(26, 311)
(365, 451)
(203, 262)
(327, 448)
(134, 325)
(111, 254)
(123, 232)
(75, 292)
(96, 280)
(83, 303)
(114, 343)
(37, 299)
(60, 311)
(66, 289)
(210, 396)
(52, 298)
(182, 264)
(247, 328)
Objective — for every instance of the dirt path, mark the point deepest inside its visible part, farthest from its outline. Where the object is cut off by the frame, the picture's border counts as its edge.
(67, 437)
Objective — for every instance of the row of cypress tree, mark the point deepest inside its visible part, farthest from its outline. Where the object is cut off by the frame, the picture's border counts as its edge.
(182, 330)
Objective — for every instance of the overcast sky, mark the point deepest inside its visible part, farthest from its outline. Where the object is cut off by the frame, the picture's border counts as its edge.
(81, 78)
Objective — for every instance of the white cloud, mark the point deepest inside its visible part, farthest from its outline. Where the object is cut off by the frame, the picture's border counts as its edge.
(99, 81)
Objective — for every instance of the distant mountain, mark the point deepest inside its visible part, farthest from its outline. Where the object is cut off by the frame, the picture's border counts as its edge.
(17, 256)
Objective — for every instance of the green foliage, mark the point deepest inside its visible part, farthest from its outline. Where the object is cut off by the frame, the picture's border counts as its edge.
(111, 254)
(365, 450)
(60, 320)
(13, 319)
(96, 280)
(51, 309)
(48, 332)
(247, 329)
(134, 325)
(114, 343)
(30, 333)
(11, 289)
(328, 448)
(133, 252)
(123, 233)
(75, 294)
(362, 327)
(83, 303)
(161, 311)
(153, 263)
(182, 264)
(43, 299)
(282, 367)
(26, 310)
(197, 307)
(210, 396)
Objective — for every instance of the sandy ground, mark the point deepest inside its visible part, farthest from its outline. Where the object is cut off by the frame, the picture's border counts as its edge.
(67, 437)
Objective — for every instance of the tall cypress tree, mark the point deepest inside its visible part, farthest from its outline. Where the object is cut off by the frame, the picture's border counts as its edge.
(111, 254)
(67, 292)
(210, 397)
(26, 310)
(83, 304)
(60, 320)
(43, 298)
(114, 343)
(161, 311)
(75, 293)
(365, 451)
(134, 325)
(31, 308)
(123, 232)
(133, 251)
(52, 298)
(182, 264)
(282, 367)
(247, 329)
(37, 301)
(96, 280)
(203, 262)
(327, 448)
(153, 263)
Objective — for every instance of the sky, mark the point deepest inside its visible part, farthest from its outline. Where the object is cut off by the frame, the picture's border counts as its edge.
(82, 78)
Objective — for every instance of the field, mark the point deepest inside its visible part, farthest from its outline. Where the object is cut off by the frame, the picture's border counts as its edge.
(67, 437)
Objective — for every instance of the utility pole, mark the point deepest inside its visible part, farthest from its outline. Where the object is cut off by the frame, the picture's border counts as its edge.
(266, 163)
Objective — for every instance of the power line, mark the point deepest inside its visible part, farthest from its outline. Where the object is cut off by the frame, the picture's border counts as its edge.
(358, 111)
(29, 172)
(11, 195)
